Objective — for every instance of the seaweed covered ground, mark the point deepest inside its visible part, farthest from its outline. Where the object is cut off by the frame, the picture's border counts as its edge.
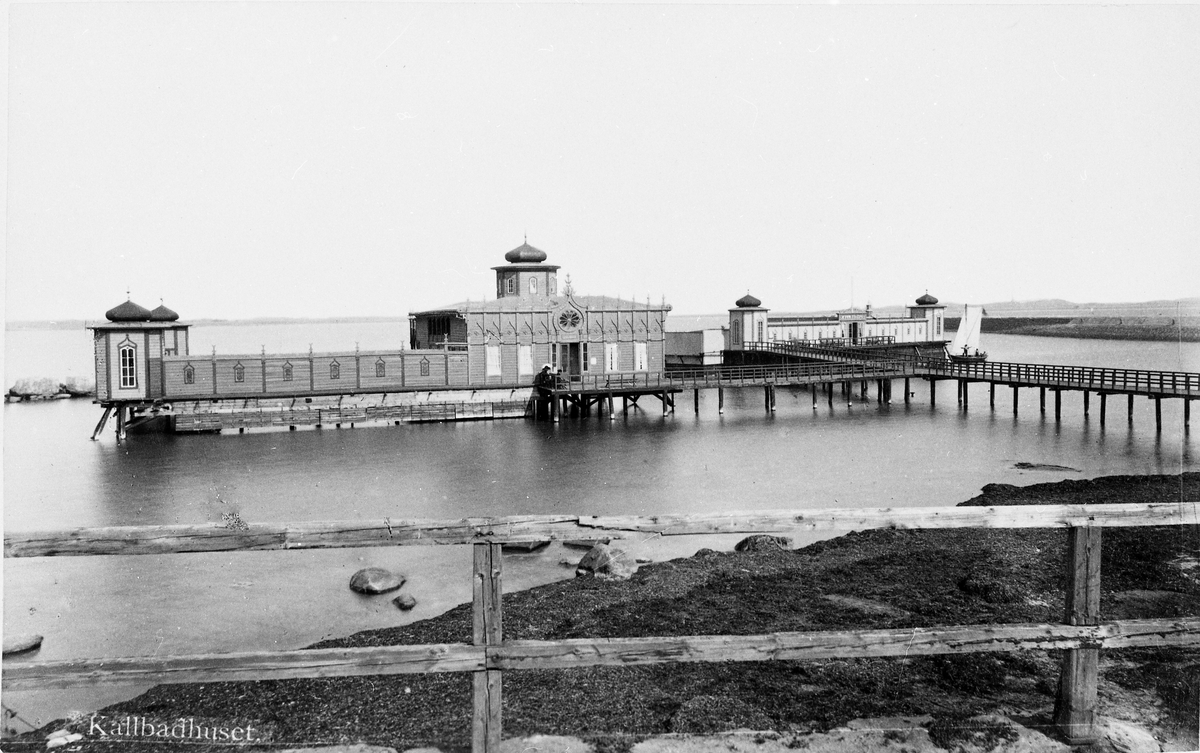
(874, 579)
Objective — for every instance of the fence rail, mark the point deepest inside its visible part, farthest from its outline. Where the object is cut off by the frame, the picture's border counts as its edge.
(489, 654)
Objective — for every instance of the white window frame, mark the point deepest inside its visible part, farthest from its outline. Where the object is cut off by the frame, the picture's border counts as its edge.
(493, 361)
(640, 359)
(524, 360)
(127, 365)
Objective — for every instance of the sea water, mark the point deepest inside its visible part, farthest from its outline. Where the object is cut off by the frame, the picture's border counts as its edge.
(857, 453)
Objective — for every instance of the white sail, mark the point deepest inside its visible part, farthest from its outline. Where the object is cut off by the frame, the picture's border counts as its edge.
(967, 335)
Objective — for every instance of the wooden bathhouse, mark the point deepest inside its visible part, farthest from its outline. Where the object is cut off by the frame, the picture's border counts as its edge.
(534, 321)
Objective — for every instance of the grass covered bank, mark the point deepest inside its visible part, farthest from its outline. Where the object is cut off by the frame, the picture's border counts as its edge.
(874, 579)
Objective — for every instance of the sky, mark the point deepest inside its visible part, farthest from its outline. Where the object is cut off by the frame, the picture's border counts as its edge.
(239, 160)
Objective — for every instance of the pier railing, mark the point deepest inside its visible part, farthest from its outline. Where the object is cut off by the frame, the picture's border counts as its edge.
(1098, 379)
(488, 655)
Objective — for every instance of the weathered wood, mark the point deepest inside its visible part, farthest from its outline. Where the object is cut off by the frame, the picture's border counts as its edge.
(486, 722)
(585, 652)
(488, 631)
(458, 657)
(486, 595)
(1076, 704)
(211, 537)
(244, 666)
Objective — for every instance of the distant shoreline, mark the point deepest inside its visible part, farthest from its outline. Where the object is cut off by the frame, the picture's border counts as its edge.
(1151, 329)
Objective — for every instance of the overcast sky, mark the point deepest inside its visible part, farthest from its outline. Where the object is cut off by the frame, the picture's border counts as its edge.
(326, 159)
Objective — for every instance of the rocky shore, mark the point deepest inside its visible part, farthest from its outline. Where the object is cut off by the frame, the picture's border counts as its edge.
(49, 389)
(872, 579)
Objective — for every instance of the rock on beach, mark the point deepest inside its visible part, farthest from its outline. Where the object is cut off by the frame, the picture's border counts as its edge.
(375, 580)
(19, 644)
(606, 562)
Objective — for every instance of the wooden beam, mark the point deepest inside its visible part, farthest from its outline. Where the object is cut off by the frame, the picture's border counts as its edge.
(460, 657)
(587, 652)
(244, 666)
(102, 422)
(1076, 704)
(211, 537)
(488, 630)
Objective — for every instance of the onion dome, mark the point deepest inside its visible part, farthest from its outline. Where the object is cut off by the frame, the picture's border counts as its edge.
(128, 312)
(926, 300)
(748, 302)
(163, 314)
(525, 253)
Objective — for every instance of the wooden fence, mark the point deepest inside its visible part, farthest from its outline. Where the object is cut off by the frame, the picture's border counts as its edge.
(489, 654)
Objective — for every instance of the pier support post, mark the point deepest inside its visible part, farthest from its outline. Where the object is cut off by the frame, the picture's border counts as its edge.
(612, 416)
(1131, 407)
(958, 390)
(720, 400)
(772, 398)
(103, 420)
(1075, 707)
(813, 388)
(829, 394)
(1187, 412)
(1158, 414)
(488, 631)
(1042, 399)
(907, 390)
(767, 397)
(992, 395)
(120, 422)
(965, 404)
(1057, 405)
(624, 405)
(932, 392)
(1087, 403)
(554, 409)
(1015, 401)
(1103, 407)
(695, 400)
(887, 391)
(879, 391)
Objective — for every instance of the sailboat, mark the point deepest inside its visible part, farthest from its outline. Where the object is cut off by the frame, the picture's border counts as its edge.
(964, 348)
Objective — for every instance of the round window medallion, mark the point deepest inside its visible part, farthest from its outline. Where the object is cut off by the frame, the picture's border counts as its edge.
(569, 319)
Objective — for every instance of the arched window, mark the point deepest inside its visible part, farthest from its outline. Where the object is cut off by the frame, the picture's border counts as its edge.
(189, 374)
(380, 368)
(512, 284)
(552, 287)
(760, 331)
(737, 331)
(239, 373)
(335, 370)
(287, 372)
(533, 286)
(127, 358)
(424, 367)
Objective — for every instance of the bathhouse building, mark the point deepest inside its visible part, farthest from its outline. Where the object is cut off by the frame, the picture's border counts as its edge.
(130, 348)
(922, 322)
(535, 320)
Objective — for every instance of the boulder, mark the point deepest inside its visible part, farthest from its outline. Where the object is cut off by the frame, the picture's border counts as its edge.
(604, 561)
(405, 602)
(375, 580)
(763, 543)
(35, 388)
(706, 552)
(79, 387)
(18, 644)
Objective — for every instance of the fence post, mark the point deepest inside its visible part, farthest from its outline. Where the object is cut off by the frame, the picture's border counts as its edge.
(1075, 707)
(489, 631)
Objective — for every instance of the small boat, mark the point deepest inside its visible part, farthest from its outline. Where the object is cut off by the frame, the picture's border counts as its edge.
(964, 348)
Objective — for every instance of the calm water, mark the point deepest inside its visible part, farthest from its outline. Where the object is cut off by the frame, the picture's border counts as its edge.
(858, 455)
